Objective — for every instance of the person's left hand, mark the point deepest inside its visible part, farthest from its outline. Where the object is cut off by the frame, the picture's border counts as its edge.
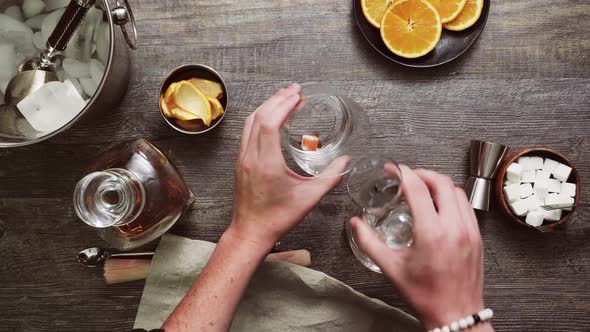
(269, 198)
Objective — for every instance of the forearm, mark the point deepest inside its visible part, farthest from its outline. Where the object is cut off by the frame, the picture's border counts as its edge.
(212, 300)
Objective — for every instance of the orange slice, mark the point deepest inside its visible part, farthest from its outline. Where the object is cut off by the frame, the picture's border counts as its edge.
(468, 16)
(310, 143)
(187, 97)
(216, 108)
(182, 114)
(448, 10)
(374, 10)
(209, 88)
(411, 28)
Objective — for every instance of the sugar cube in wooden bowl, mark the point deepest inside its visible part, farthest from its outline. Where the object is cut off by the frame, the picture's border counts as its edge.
(534, 177)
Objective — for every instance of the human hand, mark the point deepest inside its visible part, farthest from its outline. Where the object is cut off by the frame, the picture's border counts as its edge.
(441, 274)
(269, 198)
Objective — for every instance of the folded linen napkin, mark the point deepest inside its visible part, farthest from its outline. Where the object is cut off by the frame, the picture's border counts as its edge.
(281, 296)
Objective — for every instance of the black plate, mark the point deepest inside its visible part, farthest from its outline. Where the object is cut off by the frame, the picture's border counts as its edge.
(452, 43)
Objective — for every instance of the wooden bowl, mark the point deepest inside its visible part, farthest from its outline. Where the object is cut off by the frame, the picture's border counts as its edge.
(536, 152)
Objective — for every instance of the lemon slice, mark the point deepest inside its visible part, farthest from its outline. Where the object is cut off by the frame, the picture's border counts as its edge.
(190, 99)
(216, 108)
(170, 90)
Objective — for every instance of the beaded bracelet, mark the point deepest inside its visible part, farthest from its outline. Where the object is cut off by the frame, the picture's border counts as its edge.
(467, 322)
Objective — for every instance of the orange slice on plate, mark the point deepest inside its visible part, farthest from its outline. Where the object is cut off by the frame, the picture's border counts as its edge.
(374, 10)
(468, 16)
(448, 10)
(411, 28)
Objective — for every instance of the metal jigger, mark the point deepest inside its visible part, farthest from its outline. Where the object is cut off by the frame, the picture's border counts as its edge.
(485, 157)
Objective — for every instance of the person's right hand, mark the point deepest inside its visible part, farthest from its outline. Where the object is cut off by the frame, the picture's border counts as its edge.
(441, 274)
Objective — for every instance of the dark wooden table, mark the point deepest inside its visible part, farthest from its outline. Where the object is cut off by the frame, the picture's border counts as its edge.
(525, 82)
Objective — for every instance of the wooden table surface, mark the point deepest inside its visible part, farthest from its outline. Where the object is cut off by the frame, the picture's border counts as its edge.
(525, 82)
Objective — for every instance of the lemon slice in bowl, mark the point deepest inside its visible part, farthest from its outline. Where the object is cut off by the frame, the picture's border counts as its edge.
(190, 99)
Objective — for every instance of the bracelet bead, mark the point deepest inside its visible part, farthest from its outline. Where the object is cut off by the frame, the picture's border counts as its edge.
(467, 322)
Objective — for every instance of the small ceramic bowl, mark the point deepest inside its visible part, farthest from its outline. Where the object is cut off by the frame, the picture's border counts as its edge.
(186, 72)
(535, 152)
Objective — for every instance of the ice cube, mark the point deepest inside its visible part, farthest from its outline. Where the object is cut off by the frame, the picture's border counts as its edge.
(3, 86)
(74, 81)
(32, 7)
(536, 162)
(7, 62)
(552, 215)
(39, 41)
(50, 22)
(76, 68)
(562, 172)
(554, 186)
(55, 4)
(549, 165)
(535, 218)
(61, 74)
(526, 189)
(36, 22)
(103, 43)
(568, 189)
(52, 106)
(528, 176)
(89, 86)
(96, 70)
(17, 33)
(512, 192)
(15, 12)
(514, 172)
(519, 207)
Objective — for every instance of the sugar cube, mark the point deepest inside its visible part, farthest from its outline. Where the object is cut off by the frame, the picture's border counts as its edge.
(549, 165)
(528, 176)
(519, 207)
(566, 200)
(512, 192)
(525, 163)
(536, 162)
(542, 175)
(552, 199)
(508, 182)
(562, 172)
(554, 186)
(541, 189)
(532, 203)
(568, 189)
(514, 172)
(535, 218)
(526, 189)
(553, 215)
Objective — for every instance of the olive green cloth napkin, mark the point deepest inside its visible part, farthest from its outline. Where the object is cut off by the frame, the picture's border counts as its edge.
(281, 296)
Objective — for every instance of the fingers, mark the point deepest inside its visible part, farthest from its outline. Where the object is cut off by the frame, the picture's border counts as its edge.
(467, 214)
(317, 187)
(246, 133)
(442, 191)
(420, 202)
(374, 247)
(270, 116)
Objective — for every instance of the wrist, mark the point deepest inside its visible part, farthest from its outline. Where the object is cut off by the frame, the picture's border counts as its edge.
(477, 322)
(248, 244)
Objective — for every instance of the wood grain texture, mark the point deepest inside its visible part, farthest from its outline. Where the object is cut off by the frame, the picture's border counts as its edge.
(525, 82)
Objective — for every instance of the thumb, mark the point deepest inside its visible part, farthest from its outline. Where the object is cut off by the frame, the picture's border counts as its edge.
(329, 178)
(373, 246)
